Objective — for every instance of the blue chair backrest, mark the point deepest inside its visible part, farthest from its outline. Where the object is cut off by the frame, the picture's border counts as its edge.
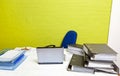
(70, 38)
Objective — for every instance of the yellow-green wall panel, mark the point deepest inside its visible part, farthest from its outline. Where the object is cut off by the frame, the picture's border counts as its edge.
(43, 22)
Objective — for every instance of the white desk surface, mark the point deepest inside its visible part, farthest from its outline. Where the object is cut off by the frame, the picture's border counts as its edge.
(30, 67)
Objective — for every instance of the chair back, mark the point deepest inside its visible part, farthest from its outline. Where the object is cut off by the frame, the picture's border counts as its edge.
(69, 38)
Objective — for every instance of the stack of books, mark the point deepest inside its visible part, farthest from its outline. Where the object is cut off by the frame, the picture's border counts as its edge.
(97, 58)
(77, 64)
(101, 58)
(76, 49)
(11, 59)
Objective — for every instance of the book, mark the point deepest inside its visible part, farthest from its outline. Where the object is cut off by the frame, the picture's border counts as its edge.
(117, 65)
(99, 64)
(75, 49)
(10, 55)
(12, 62)
(105, 70)
(4, 50)
(77, 65)
(115, 70)
(13, 67)
(100, 52)
(102, 66)
(76, 68)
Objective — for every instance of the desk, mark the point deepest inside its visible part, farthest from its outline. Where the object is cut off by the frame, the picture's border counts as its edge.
(30, 67)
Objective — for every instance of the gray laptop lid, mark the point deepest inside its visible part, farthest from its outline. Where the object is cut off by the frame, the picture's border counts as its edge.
(50, 55)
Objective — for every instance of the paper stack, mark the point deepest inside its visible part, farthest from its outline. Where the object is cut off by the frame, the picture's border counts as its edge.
(11, 59)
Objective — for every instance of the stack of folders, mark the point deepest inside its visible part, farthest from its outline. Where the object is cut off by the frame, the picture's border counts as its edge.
(77, 64)
(100, 57)
(75, 49)
(11, 59)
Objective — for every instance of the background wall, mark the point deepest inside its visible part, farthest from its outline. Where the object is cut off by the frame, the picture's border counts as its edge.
(43, 22)
(114, 32)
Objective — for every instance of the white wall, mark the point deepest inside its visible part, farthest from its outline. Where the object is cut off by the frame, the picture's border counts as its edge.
(114, 31)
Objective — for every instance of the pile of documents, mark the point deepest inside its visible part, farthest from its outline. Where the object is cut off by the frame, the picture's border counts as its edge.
(97, 58)
(101, 58)
(11, 59)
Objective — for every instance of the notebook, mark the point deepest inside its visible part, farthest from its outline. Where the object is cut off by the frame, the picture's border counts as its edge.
(99, 52)
(50, 55)
(10, 55)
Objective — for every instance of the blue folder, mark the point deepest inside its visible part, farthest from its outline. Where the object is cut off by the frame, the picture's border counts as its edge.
(15, 65)
(6, 57)
(12, 62)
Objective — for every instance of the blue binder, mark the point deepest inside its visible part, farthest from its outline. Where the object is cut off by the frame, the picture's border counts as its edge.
(10, 56)
(15, 65)
(12, 62)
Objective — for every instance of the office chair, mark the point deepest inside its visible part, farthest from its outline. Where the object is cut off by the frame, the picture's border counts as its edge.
(69, 38)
